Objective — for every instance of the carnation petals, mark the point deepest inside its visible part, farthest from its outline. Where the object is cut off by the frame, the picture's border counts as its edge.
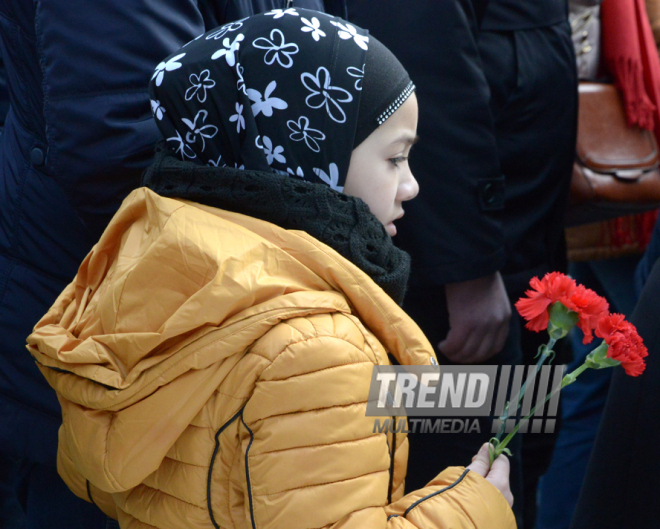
(590, 308)
(534, 310)
(557, 287)
(554, 287)
(625, 344)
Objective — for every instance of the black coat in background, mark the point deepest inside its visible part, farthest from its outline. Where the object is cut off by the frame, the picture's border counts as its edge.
(497, 91)
(452, 229)
(622, 484)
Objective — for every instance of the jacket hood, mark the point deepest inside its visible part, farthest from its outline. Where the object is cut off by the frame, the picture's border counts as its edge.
(132, 343)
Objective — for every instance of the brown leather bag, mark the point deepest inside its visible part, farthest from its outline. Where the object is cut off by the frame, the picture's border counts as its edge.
(616, 168)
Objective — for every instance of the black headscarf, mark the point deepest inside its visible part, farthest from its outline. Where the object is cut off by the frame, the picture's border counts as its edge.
(281, 91)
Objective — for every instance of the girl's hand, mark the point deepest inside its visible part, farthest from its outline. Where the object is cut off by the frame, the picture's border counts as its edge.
(497, 475)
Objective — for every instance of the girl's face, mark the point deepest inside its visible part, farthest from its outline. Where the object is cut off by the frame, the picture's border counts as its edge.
(379, 173)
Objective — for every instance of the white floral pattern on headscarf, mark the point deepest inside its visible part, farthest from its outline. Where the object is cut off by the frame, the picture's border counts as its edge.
(273, 92)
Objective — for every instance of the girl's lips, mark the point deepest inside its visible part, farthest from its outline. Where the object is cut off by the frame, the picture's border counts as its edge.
(391, 228)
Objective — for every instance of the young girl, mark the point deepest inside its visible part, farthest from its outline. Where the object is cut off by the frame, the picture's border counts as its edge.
(214, 353)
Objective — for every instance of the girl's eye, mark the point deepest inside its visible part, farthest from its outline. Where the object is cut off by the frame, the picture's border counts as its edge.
(399, 159)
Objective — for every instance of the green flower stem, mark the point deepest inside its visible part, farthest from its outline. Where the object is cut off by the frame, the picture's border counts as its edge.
(570, 377)
(498, 447)
(546, 351)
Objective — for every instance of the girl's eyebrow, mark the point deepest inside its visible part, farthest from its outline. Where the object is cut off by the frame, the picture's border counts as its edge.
(407, 139)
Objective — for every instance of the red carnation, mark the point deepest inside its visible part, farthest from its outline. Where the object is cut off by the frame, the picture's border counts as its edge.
(590, 308)
(554, 287)
(625, 345)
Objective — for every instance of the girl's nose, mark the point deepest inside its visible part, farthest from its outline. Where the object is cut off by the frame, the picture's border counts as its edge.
(408, 188)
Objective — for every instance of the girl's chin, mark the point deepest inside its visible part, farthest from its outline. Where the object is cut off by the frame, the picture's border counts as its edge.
(391, 229)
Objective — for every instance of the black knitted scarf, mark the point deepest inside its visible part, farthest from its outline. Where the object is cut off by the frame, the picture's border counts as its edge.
(342, 222)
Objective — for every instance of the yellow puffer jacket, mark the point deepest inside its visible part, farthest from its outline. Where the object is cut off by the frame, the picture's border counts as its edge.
(213, 371)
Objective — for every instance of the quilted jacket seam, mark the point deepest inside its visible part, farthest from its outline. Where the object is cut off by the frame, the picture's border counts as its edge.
(358, 325)
(324, 483)
(203, 427)
(205, 467)
(149, 526)
(330, 368)
(333, 443)
(184, 357)
(384, 313)
(309, 339)
(255, 421)
(275, 357)
(224, 395)
(171, 496)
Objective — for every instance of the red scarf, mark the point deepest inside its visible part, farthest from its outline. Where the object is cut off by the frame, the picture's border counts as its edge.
(631, 56)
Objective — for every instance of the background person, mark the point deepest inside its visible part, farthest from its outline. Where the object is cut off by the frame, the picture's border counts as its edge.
(77, 137)
(498, 84)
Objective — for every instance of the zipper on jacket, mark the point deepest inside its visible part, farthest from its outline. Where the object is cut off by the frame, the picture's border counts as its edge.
(210, 474)
(247, 472)
(392, 455)
(89, 494)
(436, 493)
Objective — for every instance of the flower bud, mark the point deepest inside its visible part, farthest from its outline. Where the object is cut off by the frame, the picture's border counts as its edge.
(597, 359)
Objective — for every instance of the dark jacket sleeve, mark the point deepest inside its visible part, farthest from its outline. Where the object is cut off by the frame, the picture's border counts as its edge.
(621, 486)
(452, 229)
(96, 60)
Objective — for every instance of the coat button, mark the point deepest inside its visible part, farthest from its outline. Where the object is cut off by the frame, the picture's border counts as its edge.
(489, 193)
(37, 156)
